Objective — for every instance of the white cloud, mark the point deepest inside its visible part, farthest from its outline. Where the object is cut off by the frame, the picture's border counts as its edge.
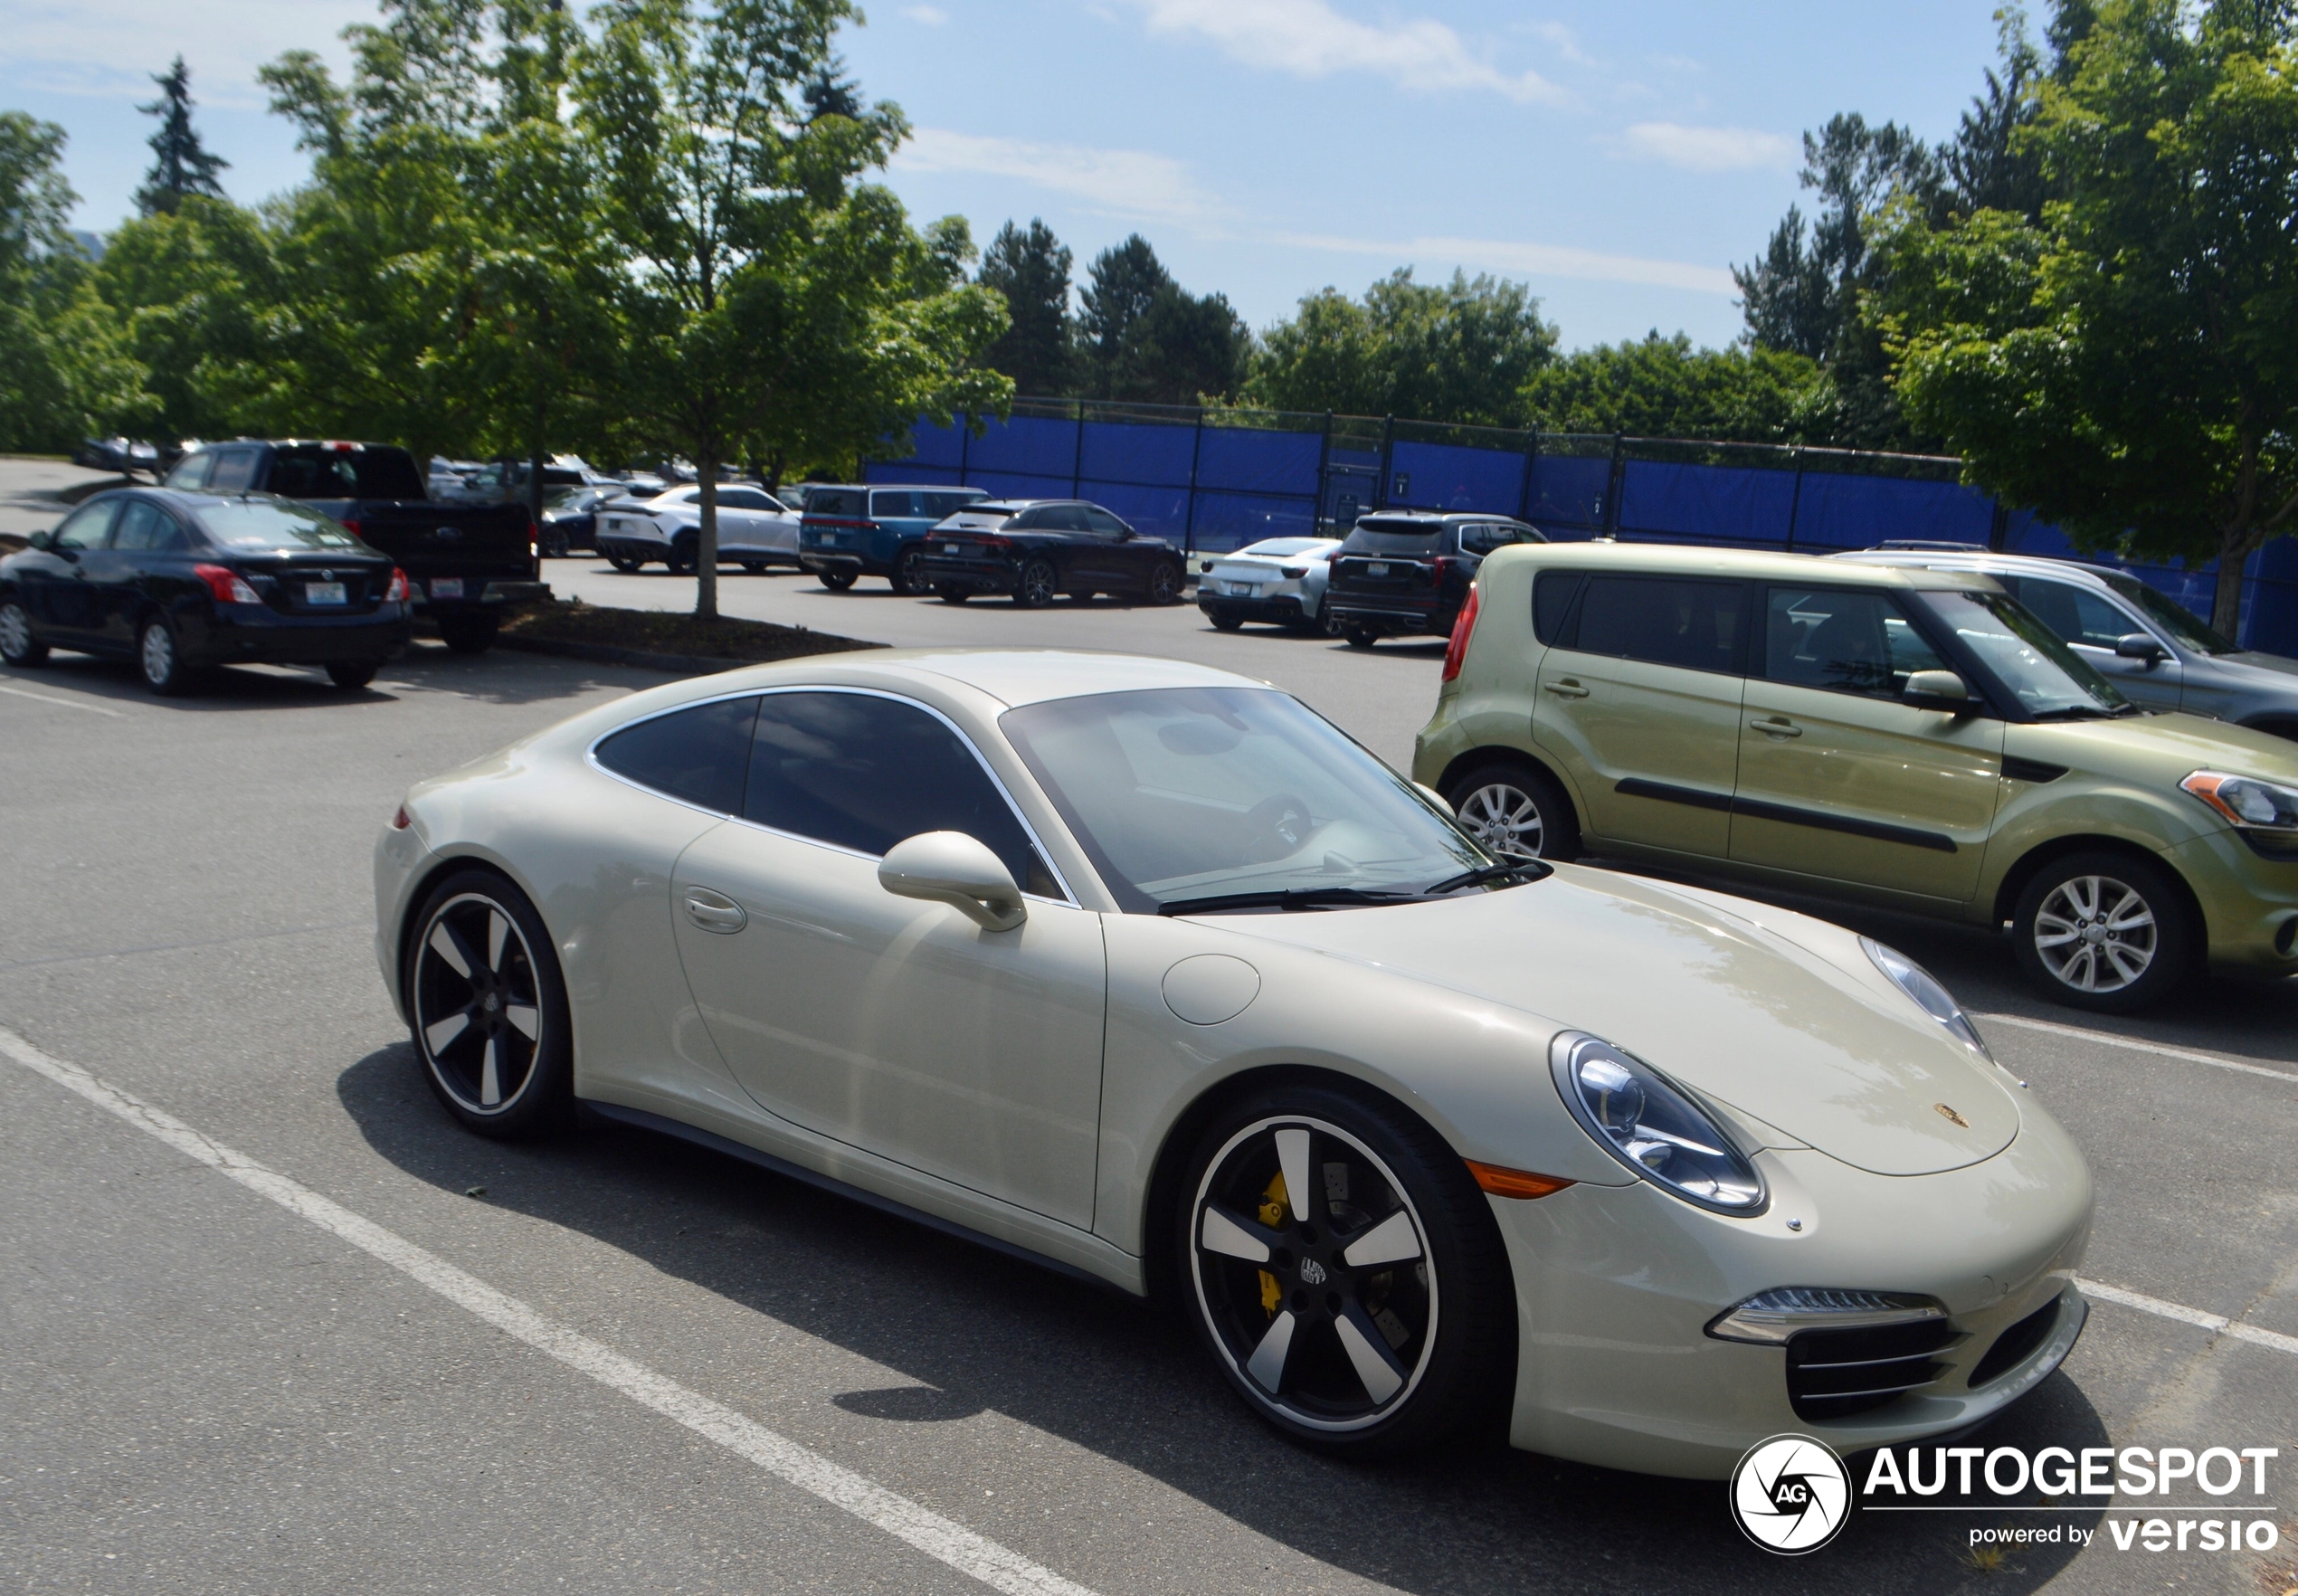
(1708, 149)
(1563, 41)
(111, 48)
(1129, 181)
(1310, 39)
(933, 16)
(1531, 260)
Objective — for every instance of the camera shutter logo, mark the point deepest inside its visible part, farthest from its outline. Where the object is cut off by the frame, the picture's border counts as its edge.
(1790, 1494)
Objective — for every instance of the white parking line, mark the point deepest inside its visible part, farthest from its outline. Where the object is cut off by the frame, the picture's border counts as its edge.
(2187, 1315)
(17, 692)
(2076, 1031)
(940, 1538)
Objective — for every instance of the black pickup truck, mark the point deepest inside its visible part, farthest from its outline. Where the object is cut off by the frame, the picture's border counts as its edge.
(468, 563)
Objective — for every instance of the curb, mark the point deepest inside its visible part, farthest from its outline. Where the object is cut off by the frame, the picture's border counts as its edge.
(638, 659)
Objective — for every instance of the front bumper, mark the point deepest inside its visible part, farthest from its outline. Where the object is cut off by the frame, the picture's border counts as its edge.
(260, 635)
(2249, 903)
(1615, 1286)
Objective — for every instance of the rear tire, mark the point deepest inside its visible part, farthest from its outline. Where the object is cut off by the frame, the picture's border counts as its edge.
(953, 595)
(19, 646)
(1368, 1360)
(351, 677)
(1516, 810)
(1225, 620)
(2107, 932)
(467, 635)
(480, 954)
(624, 563)
(682, 556)
(836, 581)
(1361, 637)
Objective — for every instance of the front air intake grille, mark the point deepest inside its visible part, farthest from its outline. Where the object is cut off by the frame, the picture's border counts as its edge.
(1834, 1374)
(2014, 1345)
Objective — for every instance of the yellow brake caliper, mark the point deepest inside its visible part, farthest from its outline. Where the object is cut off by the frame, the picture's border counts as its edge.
(1272, 1214)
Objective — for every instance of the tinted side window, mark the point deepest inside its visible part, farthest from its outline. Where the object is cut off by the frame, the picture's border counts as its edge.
(897, 503)
(191, 471)
(2077, 615)
(1476, 538)
(141, 526)
(1552, 595)
(1664, 620)
(1845, 643)
(938, 505)
(1061, 517)
(864, 773)
(744, 498)
(234, 469)
(89, 526)
(834, 501)
(699, 755)
(1104, 523)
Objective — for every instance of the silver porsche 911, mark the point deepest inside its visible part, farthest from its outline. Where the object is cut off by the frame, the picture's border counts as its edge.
(1146, 971)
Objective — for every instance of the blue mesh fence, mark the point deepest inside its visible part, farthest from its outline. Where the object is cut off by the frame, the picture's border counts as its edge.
(1213, 480)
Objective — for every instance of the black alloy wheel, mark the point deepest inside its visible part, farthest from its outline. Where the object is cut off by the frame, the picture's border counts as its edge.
(554, 543)
(352, 674)
(836, 581)
(1165, 583)
(2107, 932)
(488, 1008)
(626, 563)
(1225, 620)
(18, 646)
(467, 635)
(1039, 581)
(160, 659)
(953, 595)
(1517, 812)
(1346, 1274)
(909, 571)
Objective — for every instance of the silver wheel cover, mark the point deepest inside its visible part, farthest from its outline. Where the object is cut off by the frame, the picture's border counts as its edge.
(157, 653)
(1505, 818)
(2096, 934)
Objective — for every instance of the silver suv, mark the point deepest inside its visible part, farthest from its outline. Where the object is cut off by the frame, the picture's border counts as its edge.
(2154, 650)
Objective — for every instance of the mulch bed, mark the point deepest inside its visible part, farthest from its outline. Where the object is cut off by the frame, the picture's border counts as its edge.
(671, 632)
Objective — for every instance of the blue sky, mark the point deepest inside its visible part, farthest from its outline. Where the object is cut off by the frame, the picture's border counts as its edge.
(1618, 157)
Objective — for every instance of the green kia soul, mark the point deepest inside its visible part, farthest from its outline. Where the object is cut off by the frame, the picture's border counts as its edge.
(1908, 738)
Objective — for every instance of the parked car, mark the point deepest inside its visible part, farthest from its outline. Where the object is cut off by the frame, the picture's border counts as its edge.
(447, 480)
(850, 530)
(470, 564)
(124, 455)
(1145, 970)
(1280, 579)
(504, 481)
(178, 582)
(570, 519)
(1408, 572)
(756, 530)
(1033, 548)
(1913, 738)
(2155, 649)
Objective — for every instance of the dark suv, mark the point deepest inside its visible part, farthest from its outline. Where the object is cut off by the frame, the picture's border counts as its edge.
(1409, 571)
(1035, 549)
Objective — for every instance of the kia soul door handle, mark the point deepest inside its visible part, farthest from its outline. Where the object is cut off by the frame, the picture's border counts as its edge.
(1567, 688)
(714, 911)
(1777, 728)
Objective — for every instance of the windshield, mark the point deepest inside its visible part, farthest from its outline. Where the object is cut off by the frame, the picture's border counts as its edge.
(2173, 617)
(267, 523)
(2050, 680)
(1183, 793)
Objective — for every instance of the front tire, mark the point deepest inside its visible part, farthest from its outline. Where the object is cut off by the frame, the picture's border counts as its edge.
(1165, 584)
(1516, 811)
(486, 1007)
(2107, 932)
(19, 646)
(160, 660)
(908, 577)
(1346, 1273)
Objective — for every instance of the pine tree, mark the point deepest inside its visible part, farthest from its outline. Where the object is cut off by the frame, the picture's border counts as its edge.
(181, 165)
(1031, 269)
(1125, 281)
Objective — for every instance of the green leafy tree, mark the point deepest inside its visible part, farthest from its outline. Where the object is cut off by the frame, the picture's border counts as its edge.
(1457, 352)
(1662, 387)
(2128, 366)
(195, 292)
(1030, 268)
(1121, 284)
(181, 164)
(1182, 348)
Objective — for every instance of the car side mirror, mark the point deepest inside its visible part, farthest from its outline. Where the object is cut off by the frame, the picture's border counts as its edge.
(41, 539)
(1937, 689)
(1436, 798)
(952, 868)
(2137, 645)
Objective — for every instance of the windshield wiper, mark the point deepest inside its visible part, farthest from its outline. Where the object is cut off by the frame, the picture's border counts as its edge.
(2077, 712)
(1288, 897)
(1530, 868)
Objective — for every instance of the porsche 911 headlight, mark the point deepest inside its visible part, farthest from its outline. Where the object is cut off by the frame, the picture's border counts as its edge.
(1653, 1125)
(1932, 998)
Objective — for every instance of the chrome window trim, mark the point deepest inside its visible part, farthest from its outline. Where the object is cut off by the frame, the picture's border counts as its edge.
(1045, 855)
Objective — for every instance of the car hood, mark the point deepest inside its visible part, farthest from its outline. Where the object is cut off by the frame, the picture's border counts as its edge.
(2160, 750)
(2276, 670)
(1729, 997)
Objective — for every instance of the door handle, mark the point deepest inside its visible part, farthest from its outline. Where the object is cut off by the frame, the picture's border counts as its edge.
(1777, 728)
(714, 911)
(1567, 688)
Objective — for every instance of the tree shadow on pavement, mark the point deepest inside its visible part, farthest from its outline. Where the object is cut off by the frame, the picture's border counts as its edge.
(499, 676)
(980, 1330)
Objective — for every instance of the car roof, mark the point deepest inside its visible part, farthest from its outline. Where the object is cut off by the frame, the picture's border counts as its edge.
(1738, 564)
(1984, 560)
(1413, 515)
(1013, 677)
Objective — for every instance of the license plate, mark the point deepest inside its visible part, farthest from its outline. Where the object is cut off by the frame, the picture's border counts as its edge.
(447, 587)
(1377, 568)
(949, 548)
(324, 593)
(1242, 589)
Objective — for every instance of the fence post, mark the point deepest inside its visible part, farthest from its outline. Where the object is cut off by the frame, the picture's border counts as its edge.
(1324, 475)
(1387, 445)
(1196, 454)
(1532, 464)
(964, 449)
(1077, 460)
(1612, 485)
(1795, 499)
(1999, 527)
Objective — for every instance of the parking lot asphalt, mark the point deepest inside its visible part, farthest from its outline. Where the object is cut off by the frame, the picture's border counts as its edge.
(205, 1390)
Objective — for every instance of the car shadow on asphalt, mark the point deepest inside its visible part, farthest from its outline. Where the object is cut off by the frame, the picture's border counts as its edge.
(498, 677)
(977, 1330)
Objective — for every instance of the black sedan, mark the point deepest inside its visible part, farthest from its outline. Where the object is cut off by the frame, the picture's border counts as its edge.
(179, 581)
(1032, 548)
(570, 519)
(1405, 571)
